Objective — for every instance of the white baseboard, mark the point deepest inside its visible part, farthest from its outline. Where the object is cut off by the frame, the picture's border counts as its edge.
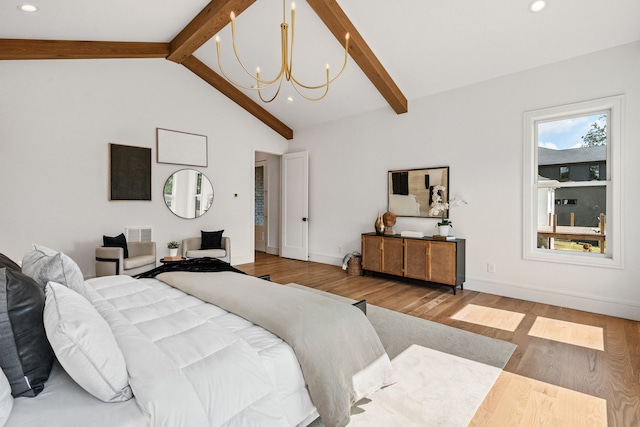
(326, 259)
(242, 259)
(272, 250)
(594, 304)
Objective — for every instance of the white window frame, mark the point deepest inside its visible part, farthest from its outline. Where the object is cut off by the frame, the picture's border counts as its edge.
(614, 257)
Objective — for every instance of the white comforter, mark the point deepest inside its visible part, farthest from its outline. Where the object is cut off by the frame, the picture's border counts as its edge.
(193, 364)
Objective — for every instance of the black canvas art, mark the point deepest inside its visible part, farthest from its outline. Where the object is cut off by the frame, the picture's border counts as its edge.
(130, 172)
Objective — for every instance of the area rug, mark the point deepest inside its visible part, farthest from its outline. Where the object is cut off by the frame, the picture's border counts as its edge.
(433, 389)
(443, 373)
(398, 331)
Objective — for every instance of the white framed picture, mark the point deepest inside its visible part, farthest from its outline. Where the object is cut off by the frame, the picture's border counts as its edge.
(181, 148)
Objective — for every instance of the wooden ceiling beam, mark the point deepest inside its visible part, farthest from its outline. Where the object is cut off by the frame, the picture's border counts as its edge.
(217, 81)
(17, 49)
(338, 23)
(205, 25)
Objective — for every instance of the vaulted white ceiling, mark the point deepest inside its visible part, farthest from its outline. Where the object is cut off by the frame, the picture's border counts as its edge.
(426, 46)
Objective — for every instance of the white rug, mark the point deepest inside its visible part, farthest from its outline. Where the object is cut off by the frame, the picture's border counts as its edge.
(433, 389)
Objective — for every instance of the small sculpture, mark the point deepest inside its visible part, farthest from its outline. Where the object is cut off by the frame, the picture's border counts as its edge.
(379, 225)
(389, 220)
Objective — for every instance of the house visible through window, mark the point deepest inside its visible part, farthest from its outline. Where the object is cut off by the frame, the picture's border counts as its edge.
(570, 186)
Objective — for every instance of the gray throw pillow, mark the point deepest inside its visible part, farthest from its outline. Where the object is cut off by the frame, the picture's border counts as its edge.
(45, 265)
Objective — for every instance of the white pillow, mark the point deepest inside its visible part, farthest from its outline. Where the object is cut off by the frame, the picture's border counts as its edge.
(44, 265)
(84, 344)
(6, 399)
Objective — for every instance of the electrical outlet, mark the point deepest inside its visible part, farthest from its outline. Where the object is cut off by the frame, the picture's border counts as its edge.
(491, 267)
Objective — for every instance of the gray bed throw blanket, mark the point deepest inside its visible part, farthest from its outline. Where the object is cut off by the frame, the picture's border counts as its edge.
(340, 354)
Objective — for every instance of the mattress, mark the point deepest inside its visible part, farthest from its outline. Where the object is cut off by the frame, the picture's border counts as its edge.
(64, 403)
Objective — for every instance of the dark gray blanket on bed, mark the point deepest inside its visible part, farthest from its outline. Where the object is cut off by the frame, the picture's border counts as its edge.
(197, 265)
(340, 354)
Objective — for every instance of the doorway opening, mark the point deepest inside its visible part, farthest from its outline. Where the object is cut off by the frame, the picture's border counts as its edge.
(267, 203)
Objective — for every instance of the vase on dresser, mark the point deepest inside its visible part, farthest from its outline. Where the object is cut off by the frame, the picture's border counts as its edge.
(379, 226)
(443, 230)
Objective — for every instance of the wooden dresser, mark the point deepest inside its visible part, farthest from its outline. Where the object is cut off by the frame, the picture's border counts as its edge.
(422, 258)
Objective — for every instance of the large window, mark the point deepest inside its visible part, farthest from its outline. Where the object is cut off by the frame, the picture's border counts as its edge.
(571, 183)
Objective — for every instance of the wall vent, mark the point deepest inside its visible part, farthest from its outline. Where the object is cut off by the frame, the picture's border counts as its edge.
(139, 234)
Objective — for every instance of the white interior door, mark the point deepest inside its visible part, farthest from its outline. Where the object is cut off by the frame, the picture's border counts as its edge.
(261, 206)
(295, 206)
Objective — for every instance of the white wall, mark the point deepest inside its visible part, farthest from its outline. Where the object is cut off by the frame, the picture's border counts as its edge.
(57, 118)
(56, 121)
(478, 132)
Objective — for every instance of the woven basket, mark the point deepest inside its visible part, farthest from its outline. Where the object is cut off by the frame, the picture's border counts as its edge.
(353, 266)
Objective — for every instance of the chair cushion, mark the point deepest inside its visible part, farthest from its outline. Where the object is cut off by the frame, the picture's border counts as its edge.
(138, 261)
(211, 239)
(84, 344)
(44, 265)
(25, 354)
(212, 253)
(118, 241)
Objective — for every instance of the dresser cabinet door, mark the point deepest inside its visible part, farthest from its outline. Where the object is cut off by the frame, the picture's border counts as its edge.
(442, 259)
(372, 253)
(392, 256)
(416, 254)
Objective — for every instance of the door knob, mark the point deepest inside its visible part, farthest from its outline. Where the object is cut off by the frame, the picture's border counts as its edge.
(304, 219)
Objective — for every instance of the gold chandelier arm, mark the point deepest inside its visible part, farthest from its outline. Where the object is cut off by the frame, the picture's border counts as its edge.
(308, 98)
(240, 85)
(329, 81)
(265, 83)
(266, 101)
(286, 66)
(293, 30)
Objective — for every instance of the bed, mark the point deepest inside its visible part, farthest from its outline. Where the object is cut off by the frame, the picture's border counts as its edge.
(210, 348)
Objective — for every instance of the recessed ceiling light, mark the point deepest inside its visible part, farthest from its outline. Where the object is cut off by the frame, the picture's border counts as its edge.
(28, 8)
(290, 98)
(537, 5)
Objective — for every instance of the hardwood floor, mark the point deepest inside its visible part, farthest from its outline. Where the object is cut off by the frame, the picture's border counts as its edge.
(612, 374)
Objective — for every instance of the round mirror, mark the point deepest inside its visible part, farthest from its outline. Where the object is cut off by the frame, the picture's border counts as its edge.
(188, 193)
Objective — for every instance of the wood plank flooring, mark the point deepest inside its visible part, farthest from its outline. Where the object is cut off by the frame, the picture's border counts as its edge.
(612, 374)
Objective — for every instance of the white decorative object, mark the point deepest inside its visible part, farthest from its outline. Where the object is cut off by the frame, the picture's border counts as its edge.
(443, 230)
(411, 233)
(440, 206)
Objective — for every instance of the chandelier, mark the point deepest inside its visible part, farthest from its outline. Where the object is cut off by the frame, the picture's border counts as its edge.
(286, 63)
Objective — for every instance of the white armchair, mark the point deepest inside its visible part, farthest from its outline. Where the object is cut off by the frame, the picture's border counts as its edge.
(191, 249)
(111, 261)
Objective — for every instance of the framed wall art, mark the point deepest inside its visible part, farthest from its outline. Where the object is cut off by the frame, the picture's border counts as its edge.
(129, 172)
(181, 148)
(411, 191)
